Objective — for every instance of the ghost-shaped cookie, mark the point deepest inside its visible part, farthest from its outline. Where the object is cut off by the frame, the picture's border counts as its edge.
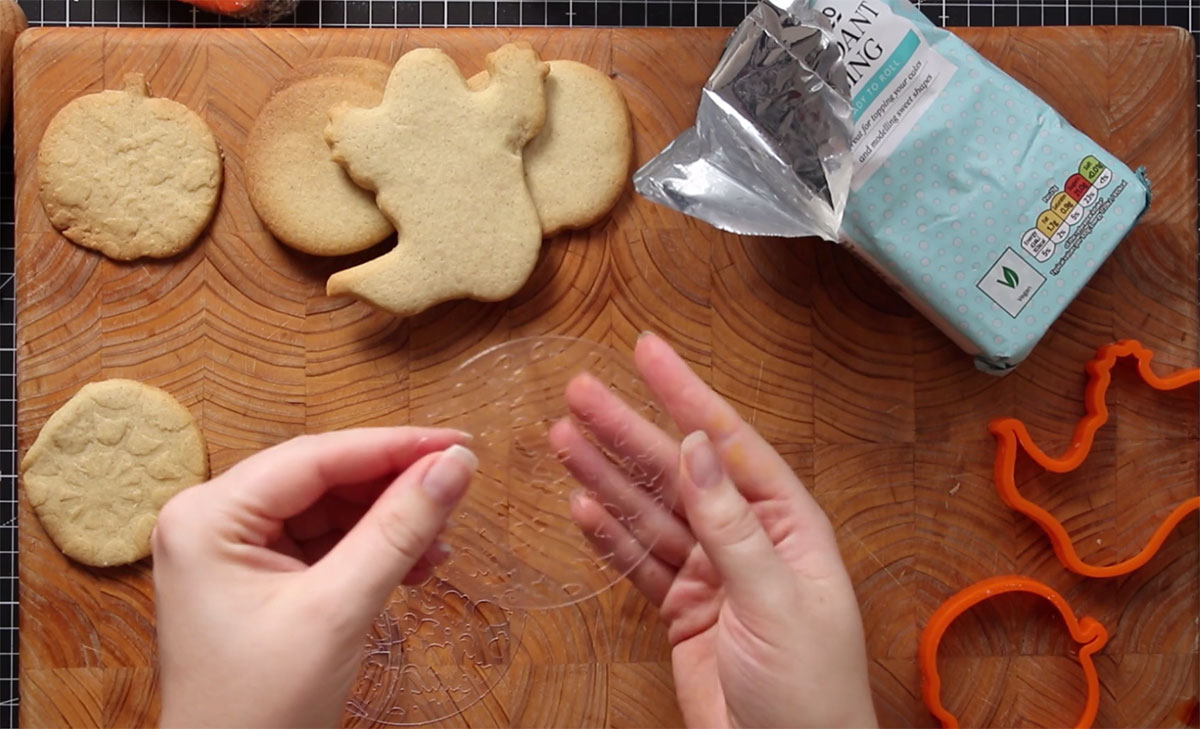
(445, 163)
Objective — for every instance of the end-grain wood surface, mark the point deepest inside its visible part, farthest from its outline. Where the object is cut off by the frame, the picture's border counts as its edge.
(879, 413)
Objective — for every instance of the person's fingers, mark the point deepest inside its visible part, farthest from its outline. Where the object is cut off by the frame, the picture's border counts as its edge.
(308, 524)
(282, 481)
(757, 468)
(365, 492)
(310, 535)
(728, 530)
(648, 520)
(314, 549)
(418, 574)
(389, 540)
(647, 453)
(329, 513)
(423, 569)
(287, 546)
(608, 537)
(317, 547)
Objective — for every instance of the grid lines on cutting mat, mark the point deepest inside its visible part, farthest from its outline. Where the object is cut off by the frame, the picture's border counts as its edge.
(391, 13)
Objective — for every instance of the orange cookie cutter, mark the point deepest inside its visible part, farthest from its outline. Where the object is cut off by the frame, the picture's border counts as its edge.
(1086, 631)
(1011, 433)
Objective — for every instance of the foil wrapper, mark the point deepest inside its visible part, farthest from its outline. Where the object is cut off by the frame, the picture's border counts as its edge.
(770, 151)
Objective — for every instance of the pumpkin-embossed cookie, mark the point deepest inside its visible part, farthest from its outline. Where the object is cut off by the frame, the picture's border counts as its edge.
(578, 164)
(445, 163)
(105, 463)
(298, 191)
(129, 175)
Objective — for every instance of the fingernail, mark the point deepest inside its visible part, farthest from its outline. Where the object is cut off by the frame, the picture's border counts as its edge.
(590, 380)
(447, 479)
(643, 334)
(703, 463)
(465, 436)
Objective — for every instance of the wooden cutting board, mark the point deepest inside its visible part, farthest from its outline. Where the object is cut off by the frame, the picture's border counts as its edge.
(882, 415)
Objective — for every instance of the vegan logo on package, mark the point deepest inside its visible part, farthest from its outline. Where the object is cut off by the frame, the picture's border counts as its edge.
(1011, 279)
(1011, 282)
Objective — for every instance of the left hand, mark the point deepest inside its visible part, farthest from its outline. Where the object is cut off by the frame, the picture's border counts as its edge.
(761, 614)
(268, 577)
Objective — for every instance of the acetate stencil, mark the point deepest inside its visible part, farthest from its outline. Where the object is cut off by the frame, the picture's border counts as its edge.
(442, 646)
(430, 655)
(513, 541)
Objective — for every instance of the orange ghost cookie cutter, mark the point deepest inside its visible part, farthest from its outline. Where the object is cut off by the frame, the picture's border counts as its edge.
(1011, 434)
(1086, 631)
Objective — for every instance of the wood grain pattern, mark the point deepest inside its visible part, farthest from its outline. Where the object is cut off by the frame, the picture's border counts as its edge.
(878, 412)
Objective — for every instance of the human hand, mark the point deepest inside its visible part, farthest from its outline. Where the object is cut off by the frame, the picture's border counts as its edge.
(762, 618)
(268, 577)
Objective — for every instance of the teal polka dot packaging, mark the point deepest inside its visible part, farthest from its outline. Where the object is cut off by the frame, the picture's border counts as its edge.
(862, 122)
(969, 194)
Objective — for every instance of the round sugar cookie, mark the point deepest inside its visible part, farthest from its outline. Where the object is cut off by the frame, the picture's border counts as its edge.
(105, 463)
(579, 163)
(129, 175)
(367, 70)
(305, 198)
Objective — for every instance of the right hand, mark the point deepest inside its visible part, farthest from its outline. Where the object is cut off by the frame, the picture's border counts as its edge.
(762, 618)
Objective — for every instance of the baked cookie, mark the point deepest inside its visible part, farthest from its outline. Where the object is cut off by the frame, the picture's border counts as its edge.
(445, 163)
(366, 70)
(129, 175)
(579, 163)
(104, 464)
(303, 196)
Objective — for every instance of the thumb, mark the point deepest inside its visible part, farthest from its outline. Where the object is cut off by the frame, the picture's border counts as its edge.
(726, 528)
(388, 541)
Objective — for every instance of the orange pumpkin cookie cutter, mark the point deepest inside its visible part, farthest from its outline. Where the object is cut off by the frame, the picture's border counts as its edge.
(1086, 631)
(1011, 434)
